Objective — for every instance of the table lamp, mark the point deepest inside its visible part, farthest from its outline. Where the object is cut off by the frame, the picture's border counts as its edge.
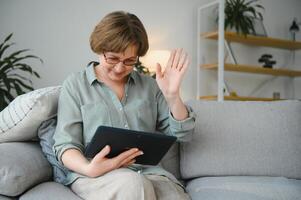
(153, 57)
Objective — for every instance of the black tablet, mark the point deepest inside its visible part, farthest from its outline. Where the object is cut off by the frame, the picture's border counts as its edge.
(153, 145)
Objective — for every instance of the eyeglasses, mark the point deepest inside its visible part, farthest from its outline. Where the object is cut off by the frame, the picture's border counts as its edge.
(115, 60)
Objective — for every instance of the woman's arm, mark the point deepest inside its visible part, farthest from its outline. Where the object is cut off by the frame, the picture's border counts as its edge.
(174, 117)
(170, 80)
(177, 108)
(74, 160)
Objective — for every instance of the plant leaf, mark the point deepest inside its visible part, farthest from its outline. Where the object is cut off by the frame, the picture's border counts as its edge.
(21, 77)
(6, 39)
(36, 74)
(4, 48)
(23, 84)
(24, 57)
(3, 102)
(10, 65)
(18, 89)
(238, 15)
(7, 83)
(13, 55)
(7, 94)
(6, 67)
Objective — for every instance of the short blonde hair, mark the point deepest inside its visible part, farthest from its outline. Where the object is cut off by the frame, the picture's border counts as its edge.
(116, 31)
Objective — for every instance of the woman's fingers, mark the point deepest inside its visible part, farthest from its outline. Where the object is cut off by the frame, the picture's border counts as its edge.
(129, 163)
(126, 156)
(159, 73)
(171, 59)
(130, 158)
(177, 58)
(182, 61)
(186, 64)
(103, 153)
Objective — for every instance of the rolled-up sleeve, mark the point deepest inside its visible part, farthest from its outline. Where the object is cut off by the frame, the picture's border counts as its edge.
(69, 131)
(167, 124)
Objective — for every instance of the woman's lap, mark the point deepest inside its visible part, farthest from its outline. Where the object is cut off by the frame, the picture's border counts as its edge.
(126, 184)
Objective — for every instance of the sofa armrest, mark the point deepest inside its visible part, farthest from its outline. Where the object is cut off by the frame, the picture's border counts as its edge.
(22, 166)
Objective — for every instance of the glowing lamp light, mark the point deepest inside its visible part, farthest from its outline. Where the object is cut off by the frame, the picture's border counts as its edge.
(153, 57)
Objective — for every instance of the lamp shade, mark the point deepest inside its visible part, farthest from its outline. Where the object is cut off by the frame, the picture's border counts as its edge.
(153, 57)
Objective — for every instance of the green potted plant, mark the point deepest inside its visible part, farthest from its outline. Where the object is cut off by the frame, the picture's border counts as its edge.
(240, 15)
(12, 83)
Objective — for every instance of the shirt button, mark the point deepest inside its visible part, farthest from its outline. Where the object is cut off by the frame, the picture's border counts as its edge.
(120, 108)
(126, 126)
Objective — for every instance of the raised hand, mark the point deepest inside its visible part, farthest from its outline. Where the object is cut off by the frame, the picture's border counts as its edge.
(170, 80)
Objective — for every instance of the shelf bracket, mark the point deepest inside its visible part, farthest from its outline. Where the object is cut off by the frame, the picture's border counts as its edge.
(229, 49)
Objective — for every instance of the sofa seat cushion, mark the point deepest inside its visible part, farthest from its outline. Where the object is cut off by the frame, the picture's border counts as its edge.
(243, 187)
(22, 166)
(244, 139)
(49, 191)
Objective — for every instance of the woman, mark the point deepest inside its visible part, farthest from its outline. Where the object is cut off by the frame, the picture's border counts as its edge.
(111, 93)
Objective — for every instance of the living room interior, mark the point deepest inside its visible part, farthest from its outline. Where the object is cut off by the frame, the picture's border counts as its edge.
(54, 31)
(254, 98)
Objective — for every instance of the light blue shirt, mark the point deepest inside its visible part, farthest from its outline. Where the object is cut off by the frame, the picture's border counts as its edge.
(86, 103)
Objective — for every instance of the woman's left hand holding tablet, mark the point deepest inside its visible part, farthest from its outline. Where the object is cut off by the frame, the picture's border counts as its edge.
(100, 164)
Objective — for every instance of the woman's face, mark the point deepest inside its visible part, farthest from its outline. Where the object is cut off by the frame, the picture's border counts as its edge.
(117, 66)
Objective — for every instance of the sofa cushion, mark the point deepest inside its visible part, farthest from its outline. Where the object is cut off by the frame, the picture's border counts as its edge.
(246, 188)
(6, 198)
(22, 165)
(49, 191)
(20, 120)
(244, 138)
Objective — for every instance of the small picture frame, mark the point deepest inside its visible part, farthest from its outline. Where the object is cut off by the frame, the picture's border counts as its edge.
(259, 29)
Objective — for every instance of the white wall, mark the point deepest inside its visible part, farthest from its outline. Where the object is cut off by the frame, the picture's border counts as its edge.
(58, 32)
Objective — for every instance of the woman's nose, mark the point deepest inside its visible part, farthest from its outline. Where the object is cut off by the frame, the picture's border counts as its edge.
(119, 67)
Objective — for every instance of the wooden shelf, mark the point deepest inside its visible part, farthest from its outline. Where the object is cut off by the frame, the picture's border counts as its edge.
(256, 40)
(238, 98)
(255, 69)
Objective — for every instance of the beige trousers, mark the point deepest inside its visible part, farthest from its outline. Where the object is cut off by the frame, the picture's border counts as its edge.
(125, 184)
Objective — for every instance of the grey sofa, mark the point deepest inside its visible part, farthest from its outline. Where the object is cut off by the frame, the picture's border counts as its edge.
(239, 151)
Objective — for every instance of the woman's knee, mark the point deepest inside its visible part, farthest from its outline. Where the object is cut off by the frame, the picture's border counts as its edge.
(130, 180)
(136, 185)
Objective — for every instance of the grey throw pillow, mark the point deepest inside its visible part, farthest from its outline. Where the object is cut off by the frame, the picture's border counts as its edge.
(22, 166)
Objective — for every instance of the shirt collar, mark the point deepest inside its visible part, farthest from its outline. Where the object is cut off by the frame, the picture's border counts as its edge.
(91, 76)
(90, 73)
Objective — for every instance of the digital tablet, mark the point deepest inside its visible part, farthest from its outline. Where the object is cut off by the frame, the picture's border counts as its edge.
(153, 145)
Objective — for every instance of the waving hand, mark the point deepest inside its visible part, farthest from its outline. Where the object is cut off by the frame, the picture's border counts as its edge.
(170, 80)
